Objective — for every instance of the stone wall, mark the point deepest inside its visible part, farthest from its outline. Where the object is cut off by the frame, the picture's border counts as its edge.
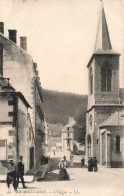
(117, 157)
(23, 134)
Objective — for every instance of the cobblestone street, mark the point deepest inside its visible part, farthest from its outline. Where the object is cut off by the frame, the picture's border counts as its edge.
(105, 182)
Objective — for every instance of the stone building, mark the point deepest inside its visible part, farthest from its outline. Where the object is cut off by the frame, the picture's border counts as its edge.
(68, 136)
(18, 65)
(16, 135)
(112, 140)
(104, 99)
(54, 137)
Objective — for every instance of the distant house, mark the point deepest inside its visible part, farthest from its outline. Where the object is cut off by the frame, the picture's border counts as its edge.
(54, 136)
(68, 135)
(16, 134)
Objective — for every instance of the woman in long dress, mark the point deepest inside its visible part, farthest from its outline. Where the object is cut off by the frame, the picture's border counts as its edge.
(90, 164)
(63, 175)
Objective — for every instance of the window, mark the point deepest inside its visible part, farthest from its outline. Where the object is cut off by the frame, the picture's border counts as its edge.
(91, 81)
(117, 143)
(106, 78)
(12, 133)
(10, 102)
(90, 120)
(11, 113)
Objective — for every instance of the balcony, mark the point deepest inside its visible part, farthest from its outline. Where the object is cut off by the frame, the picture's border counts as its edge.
(68, 138)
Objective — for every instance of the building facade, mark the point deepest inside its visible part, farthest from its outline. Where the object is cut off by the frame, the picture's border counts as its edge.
(54, 137)
(104, 93)
(18, 65)
(15, 128)
(68, 136)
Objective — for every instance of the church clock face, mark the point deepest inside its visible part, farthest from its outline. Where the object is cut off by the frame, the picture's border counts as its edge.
(90, 120)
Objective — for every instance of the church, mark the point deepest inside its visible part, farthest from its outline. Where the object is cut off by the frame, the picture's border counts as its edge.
(105, 110)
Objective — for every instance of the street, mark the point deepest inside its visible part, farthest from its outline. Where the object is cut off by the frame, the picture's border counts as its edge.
(105, 182)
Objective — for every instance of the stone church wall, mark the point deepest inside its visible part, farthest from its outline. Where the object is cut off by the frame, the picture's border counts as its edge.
(117, 158)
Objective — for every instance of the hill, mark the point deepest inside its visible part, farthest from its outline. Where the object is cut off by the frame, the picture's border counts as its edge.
(58, 106)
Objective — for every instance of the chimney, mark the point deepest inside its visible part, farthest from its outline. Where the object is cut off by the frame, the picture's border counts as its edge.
(12, 35)
(71, 119)
(23, 43)
(1, 27)
(1, 59)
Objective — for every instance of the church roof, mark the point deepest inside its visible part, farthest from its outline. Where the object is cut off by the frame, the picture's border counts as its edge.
(117, 119)
(102, 38)
(103, 43)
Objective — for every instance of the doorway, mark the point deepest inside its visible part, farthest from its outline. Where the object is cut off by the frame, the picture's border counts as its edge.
(31, 157)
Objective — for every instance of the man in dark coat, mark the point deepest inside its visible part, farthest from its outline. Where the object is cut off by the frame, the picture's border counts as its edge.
(20, 172)
(90, 164)
(95, 164)
(11, 175)
(82, 162)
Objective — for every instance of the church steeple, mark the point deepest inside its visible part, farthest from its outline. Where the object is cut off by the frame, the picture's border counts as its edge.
(103, 42)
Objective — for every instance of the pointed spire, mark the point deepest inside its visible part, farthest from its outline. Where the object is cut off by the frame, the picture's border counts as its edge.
(102, 39)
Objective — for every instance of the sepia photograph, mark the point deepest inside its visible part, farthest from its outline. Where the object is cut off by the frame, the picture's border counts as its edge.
(62, 97)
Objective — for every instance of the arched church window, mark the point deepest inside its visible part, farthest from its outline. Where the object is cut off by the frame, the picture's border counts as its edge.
(117, 143)
(91, 81)
(106, 79)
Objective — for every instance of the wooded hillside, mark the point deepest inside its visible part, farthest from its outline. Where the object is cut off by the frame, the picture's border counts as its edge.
(58, 106)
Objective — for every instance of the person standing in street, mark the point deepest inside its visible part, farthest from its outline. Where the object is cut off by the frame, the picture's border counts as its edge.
(95, 164)
(63, 175)
(64, 158)
(82, 162)
(90, 164)
(20, 172)
(71, 160)
(11, 175)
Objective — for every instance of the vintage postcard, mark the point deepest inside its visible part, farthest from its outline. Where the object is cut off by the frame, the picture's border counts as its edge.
(62, 97)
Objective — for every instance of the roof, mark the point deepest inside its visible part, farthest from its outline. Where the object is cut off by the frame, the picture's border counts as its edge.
(103, 43)
(117, 119)
(6, 87)
(24, 51)
(111, 52)
(71, 124)
(102, 38)
(55, 129)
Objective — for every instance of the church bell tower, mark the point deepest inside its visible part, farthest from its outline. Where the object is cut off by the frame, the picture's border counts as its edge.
(103, 85)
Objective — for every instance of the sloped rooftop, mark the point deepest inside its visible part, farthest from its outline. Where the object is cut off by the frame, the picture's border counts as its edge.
(71, 124)
(117, 119)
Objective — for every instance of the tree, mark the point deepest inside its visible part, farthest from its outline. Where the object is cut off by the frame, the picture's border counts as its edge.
(80, 127)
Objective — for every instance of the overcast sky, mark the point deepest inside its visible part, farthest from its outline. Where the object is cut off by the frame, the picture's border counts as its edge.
(61, 36)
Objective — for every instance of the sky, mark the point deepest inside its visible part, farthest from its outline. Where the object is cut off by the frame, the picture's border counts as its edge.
(61, 37)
